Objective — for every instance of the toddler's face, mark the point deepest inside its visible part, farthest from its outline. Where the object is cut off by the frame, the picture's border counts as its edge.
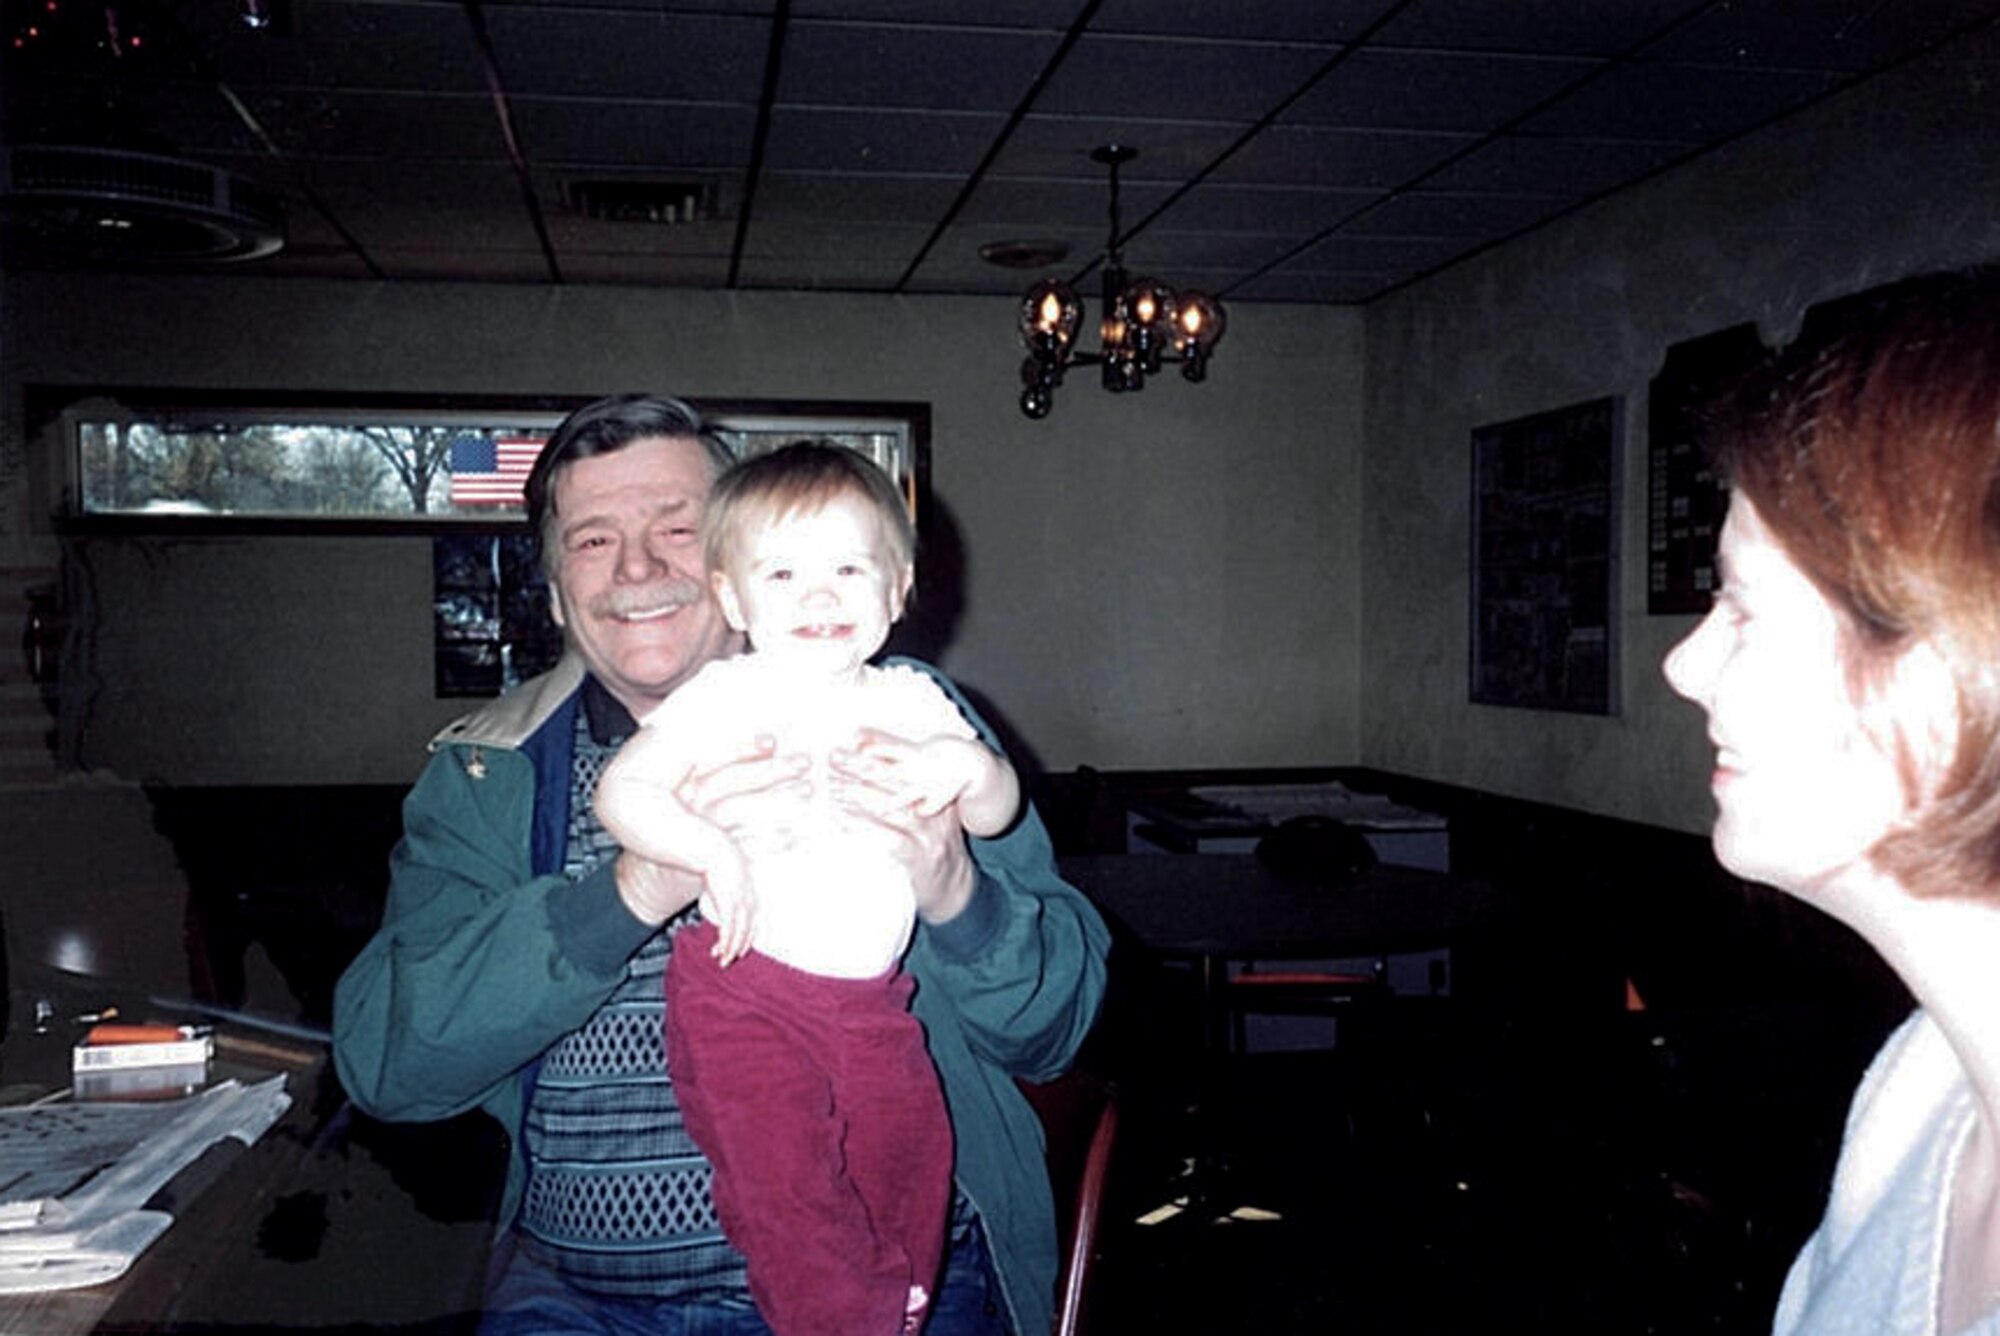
(821, 587)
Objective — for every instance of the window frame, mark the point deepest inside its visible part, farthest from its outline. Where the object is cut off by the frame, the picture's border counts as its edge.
(58, 410)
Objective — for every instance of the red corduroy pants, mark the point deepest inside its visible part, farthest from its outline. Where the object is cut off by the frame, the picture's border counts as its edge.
(817, 1103)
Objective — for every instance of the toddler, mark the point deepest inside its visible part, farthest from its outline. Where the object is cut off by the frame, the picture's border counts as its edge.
(801, 1073)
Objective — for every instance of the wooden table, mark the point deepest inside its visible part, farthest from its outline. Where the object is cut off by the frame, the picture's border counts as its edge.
(1216, 908)
(325, 1222)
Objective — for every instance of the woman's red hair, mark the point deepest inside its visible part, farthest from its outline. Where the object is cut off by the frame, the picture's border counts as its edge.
(1871, 448)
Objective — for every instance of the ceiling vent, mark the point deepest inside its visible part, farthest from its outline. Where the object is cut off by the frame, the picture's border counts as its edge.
(114, 205)
(641, 201)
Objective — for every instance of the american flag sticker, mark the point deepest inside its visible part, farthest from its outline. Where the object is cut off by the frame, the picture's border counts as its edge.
(490, 470)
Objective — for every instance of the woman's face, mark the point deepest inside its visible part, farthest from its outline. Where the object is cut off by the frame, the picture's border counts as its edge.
(1805, 778)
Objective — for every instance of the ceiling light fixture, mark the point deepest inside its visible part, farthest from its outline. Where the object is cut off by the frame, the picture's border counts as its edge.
(1145, 322)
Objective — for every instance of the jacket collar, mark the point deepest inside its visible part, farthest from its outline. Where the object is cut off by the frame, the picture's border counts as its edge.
(509, 721)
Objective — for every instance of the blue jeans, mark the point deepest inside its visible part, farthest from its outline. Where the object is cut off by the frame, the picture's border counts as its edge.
(531, 1298)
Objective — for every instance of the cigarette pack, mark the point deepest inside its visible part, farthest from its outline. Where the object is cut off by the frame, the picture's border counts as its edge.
(140, 1083)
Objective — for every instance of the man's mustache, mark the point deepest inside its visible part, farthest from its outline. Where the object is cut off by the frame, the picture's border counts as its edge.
(664, 596)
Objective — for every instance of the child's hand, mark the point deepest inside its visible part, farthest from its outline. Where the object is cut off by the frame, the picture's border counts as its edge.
(730, 903)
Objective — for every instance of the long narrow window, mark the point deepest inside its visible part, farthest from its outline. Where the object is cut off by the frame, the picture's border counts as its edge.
(167, 456)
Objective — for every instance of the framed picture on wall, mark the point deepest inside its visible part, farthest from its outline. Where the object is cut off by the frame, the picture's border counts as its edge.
(1685, 498)
(1545, 559)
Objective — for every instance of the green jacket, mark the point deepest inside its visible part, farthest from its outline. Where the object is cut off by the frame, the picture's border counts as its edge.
(487, 955)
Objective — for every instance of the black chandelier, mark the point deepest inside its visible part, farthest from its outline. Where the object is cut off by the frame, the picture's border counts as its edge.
(1145, 323)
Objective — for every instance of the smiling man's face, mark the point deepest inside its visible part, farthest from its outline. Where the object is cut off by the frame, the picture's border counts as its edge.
(631, 588)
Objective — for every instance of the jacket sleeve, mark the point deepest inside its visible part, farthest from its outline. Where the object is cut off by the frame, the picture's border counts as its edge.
(478, 966)
(1023, 967)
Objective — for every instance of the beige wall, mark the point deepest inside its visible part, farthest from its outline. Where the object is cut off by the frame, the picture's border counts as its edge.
(1897, 176)
(1162, 580)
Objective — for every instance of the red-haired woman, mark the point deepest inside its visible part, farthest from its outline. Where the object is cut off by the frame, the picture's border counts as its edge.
(1850, 673)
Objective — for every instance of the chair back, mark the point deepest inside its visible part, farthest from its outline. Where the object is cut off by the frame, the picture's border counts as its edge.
(1079, 1116)
(1316, 850)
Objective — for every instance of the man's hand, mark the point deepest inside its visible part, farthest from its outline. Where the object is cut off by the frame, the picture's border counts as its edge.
(931, 845)
(754, 794)
(928, 776)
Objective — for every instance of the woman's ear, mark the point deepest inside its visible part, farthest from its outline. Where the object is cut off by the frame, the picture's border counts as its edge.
(725, 595)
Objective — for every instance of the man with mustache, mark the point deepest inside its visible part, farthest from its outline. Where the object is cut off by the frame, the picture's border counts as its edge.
(518, 968)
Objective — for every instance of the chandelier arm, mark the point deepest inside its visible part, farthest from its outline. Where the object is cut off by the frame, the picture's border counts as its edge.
(1113, 259)
(1144, 324)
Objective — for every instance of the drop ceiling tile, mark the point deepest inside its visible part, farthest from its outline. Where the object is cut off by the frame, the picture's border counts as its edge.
(1693, 104)
(571, 234)
(887, 246)
(659, 55)
(1429, 213)
(1519, 165)
(1238, 206)
(1322, 21)
(339, 43)
(149, 115)
(304, 225)
(1346, 253)
(883, 65)
(470, 206)
(1170, 151)
(1340, 159)
(407, 126)
(954, 263)
(1170, 256)
(1561, 27)
(1404, 90)
(895, 142)
(664, 137)
(1136, 76)
(1304, 286)
(1025, 204)
(764, 9)
(877, 198)
(1849, 35)
(1056, 15)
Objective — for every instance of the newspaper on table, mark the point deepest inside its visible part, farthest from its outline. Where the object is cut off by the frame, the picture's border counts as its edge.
(75, 1177)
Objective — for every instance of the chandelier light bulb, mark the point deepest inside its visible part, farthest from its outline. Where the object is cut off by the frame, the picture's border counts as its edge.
(1142, 324)
(1050, 315)
(1200, 321)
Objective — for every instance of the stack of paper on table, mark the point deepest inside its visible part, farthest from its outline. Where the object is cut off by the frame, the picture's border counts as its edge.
(75, 1177)
(1280, 802)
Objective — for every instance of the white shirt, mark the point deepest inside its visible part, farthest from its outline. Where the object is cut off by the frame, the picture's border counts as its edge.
(831, 898)
(1875, 1266)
